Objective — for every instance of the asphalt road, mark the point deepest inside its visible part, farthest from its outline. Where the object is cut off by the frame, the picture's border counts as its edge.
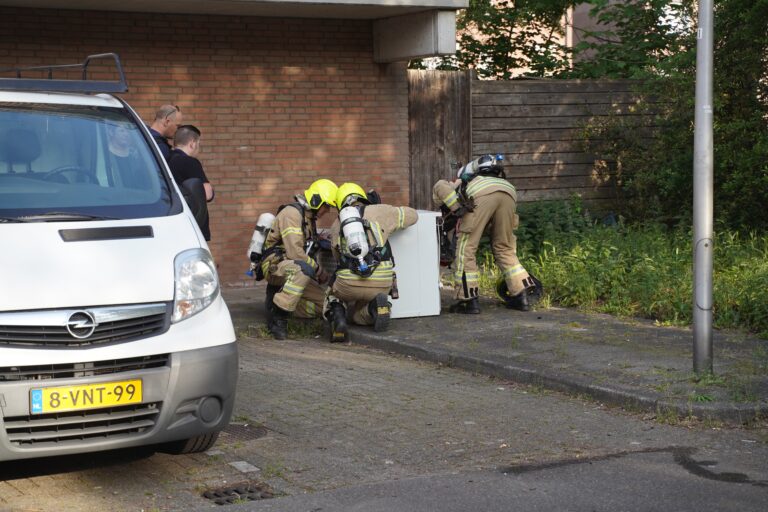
(338, 427)
(639, 481)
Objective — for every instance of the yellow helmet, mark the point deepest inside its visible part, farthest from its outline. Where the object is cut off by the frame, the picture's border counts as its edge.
(319, 192)
(348, 193)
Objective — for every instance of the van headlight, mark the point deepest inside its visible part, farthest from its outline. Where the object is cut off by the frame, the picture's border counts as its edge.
(197, 283)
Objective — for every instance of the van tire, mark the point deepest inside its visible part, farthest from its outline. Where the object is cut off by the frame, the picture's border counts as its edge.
(195, 444)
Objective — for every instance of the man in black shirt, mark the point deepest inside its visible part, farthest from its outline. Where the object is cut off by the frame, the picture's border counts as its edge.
(189, 174)
(167, 119)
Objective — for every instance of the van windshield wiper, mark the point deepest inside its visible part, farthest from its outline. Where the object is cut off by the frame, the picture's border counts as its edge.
(63, 216)
(12, 219)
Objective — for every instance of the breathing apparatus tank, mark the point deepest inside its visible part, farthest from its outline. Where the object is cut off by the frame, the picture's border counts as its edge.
(260, 232)
(354, 233)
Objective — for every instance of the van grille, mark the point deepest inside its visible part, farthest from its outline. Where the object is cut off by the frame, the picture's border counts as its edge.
(58, 429)
(63, 328)
(75, 370)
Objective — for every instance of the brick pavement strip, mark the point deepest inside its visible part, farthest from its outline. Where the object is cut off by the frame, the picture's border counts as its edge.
(8, 492)
(340, 415)
(25, 486)
(114, 481)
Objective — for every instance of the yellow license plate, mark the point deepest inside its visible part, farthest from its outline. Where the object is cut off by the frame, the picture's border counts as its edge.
(89, 396)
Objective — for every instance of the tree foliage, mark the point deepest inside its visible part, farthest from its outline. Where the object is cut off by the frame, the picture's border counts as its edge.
(501, 38)
(655, 41)
(633, 39)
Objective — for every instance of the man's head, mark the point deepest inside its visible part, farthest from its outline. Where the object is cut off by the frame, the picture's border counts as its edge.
(118, 134)
(187, 139)
(167, 119)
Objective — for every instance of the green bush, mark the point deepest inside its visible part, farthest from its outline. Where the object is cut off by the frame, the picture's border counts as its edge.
(650, 43)
(625, 271)
(544, 220)
(643, 271)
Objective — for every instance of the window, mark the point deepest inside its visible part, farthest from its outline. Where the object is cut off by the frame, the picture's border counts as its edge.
(78, 159)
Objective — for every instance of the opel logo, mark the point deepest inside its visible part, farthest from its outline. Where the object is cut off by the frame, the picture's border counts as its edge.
(81, 324)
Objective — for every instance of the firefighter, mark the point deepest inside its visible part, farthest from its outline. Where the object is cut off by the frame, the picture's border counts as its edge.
(481, 198)
(293, 276)
(365, 274)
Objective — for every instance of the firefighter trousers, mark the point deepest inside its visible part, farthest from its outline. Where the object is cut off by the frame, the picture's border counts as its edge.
(497, 212)
(300, 293)
(356, 296)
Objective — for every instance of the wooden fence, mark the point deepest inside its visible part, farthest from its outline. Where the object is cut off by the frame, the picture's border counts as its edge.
(440, 129)
(536, 124)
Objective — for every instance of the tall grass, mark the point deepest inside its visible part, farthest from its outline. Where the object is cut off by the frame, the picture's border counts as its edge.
(644, 271)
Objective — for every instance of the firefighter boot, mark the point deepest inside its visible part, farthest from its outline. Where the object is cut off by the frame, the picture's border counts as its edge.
(519, 301)
(466, 307)
(379, 308)
(269, 306)
(279, 327)
(337, 318)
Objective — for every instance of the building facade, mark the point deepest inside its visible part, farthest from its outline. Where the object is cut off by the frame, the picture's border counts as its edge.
(284, 92)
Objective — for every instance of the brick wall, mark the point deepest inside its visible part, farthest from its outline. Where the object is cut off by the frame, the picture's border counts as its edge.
(280, 102)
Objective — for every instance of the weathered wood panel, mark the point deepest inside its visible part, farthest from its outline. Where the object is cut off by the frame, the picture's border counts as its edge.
(537, 148)
(440, 128)
(572, 98)
(539, 127)
(557, 182)
(553, 170)
(573, 109)
(537, 124)
(555, 86)
(515, 158)
(605, 194)
(531, 135)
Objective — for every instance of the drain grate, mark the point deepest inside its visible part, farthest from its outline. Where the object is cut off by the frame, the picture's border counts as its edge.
(243, 432)
(239, 493)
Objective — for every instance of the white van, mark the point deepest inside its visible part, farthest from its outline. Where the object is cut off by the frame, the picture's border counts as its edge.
(113, 331)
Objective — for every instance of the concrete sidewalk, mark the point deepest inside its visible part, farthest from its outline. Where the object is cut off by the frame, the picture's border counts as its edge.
(632, 364)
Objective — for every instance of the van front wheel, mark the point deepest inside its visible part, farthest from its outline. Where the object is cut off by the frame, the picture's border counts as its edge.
(192, 445)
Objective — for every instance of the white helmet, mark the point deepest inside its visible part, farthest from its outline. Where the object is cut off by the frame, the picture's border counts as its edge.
(485, 164)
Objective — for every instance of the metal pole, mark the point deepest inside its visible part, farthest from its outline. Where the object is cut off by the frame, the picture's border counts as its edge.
(703, 195)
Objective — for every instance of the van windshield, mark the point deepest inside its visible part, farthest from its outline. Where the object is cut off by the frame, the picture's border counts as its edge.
(75, 162)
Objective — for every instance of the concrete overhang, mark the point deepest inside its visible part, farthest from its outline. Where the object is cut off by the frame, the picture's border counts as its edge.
(413, 36)
(402, 29)
(338, 9)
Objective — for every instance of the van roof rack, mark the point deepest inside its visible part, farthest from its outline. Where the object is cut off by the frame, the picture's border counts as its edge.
(51, 84)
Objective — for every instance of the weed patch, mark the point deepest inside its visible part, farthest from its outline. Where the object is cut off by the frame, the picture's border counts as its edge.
(638, 271)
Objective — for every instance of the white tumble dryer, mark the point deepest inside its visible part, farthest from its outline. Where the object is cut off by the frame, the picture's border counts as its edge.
(416, 250)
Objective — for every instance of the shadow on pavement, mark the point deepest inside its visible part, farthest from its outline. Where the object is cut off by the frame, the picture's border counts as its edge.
(29, 468)
(631, 363)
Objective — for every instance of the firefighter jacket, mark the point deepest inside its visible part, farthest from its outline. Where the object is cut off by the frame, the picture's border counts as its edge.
(381, 221)
(291, 229)
(455, 194)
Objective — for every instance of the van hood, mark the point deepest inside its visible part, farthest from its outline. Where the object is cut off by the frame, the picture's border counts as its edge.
(97, 266)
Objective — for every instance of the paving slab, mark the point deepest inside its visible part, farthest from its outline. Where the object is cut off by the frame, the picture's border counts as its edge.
(634, 364)
(314, 416)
